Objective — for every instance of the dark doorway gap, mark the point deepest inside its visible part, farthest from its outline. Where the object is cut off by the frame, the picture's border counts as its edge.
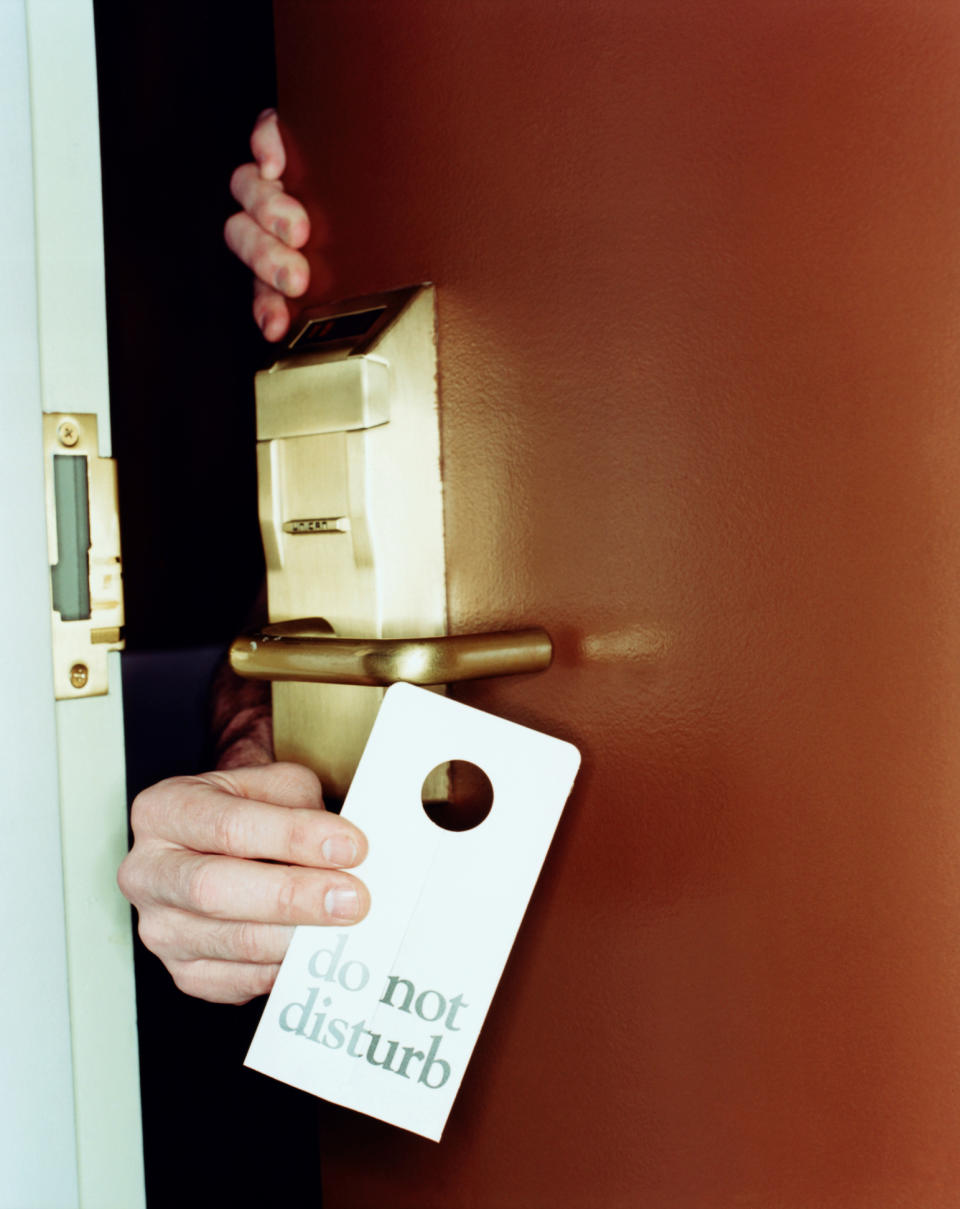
(179, 88)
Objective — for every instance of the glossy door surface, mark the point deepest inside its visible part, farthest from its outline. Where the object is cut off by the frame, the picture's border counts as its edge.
(698, 280)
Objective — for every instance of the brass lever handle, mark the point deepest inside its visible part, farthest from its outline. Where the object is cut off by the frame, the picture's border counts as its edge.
(306, 650)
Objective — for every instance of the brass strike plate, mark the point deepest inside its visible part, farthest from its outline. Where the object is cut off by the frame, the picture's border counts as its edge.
(83, 539)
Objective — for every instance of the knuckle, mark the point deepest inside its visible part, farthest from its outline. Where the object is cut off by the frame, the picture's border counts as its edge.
(203, 980)
(153, 808)
(144, 809)
(302, 845)
(228, 829)
(262, 980)
(151, 932)
(252, 981)
(187, 978)
(246, 944)
(290, 897)
(199, 891)
(304, 778)
(239, 991)
(130, 879)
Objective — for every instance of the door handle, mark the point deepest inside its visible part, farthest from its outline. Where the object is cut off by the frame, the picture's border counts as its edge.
(307, 650)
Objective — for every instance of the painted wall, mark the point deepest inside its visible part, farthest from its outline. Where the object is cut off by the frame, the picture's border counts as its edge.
(698, 271)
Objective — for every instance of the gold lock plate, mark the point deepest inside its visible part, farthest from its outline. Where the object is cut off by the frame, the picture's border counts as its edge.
(351, 504)
(83, 537)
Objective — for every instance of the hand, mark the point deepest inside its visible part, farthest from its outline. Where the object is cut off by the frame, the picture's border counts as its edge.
(270, 228)
(213, 907)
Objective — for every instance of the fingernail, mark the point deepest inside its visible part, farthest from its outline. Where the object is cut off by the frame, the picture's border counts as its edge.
(342, 902)
(339, 850)
(282, 280)
(263, 321)
(281, 228)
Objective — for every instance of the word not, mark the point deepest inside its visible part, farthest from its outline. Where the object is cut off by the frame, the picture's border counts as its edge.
(456, 1003)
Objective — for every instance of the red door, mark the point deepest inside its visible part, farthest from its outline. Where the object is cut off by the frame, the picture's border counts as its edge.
(698, 275)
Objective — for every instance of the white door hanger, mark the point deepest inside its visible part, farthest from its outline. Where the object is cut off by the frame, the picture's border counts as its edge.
(382, 1017)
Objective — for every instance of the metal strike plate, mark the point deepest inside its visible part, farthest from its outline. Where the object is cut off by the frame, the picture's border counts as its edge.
(83, 538)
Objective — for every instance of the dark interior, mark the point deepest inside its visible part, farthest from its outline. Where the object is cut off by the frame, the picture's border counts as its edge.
(180, 87)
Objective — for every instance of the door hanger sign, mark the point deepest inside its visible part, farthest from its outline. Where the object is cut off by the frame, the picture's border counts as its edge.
(382, 1017)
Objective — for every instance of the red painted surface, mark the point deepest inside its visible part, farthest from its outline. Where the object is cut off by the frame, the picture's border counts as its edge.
(698, 272)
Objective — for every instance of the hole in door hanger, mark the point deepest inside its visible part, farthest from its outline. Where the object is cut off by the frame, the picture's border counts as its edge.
(457, 795)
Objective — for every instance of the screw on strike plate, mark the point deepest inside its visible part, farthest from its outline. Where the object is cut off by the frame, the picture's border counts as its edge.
(68, 433)
(79, 675)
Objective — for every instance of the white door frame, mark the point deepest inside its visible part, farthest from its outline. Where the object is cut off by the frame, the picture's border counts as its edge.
(69, 1082)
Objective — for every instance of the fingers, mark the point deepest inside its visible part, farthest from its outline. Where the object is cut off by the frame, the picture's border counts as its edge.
(223, 981)
(178, 936)
(268, 231)
(270, 312)
(225, 887)
(269, 813)
(276, 265)
(282, 783)
(271, 208)
(267, 146)
(202, 818)
(224, 865)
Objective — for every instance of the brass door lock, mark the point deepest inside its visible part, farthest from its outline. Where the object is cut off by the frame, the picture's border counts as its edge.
(351, 515)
